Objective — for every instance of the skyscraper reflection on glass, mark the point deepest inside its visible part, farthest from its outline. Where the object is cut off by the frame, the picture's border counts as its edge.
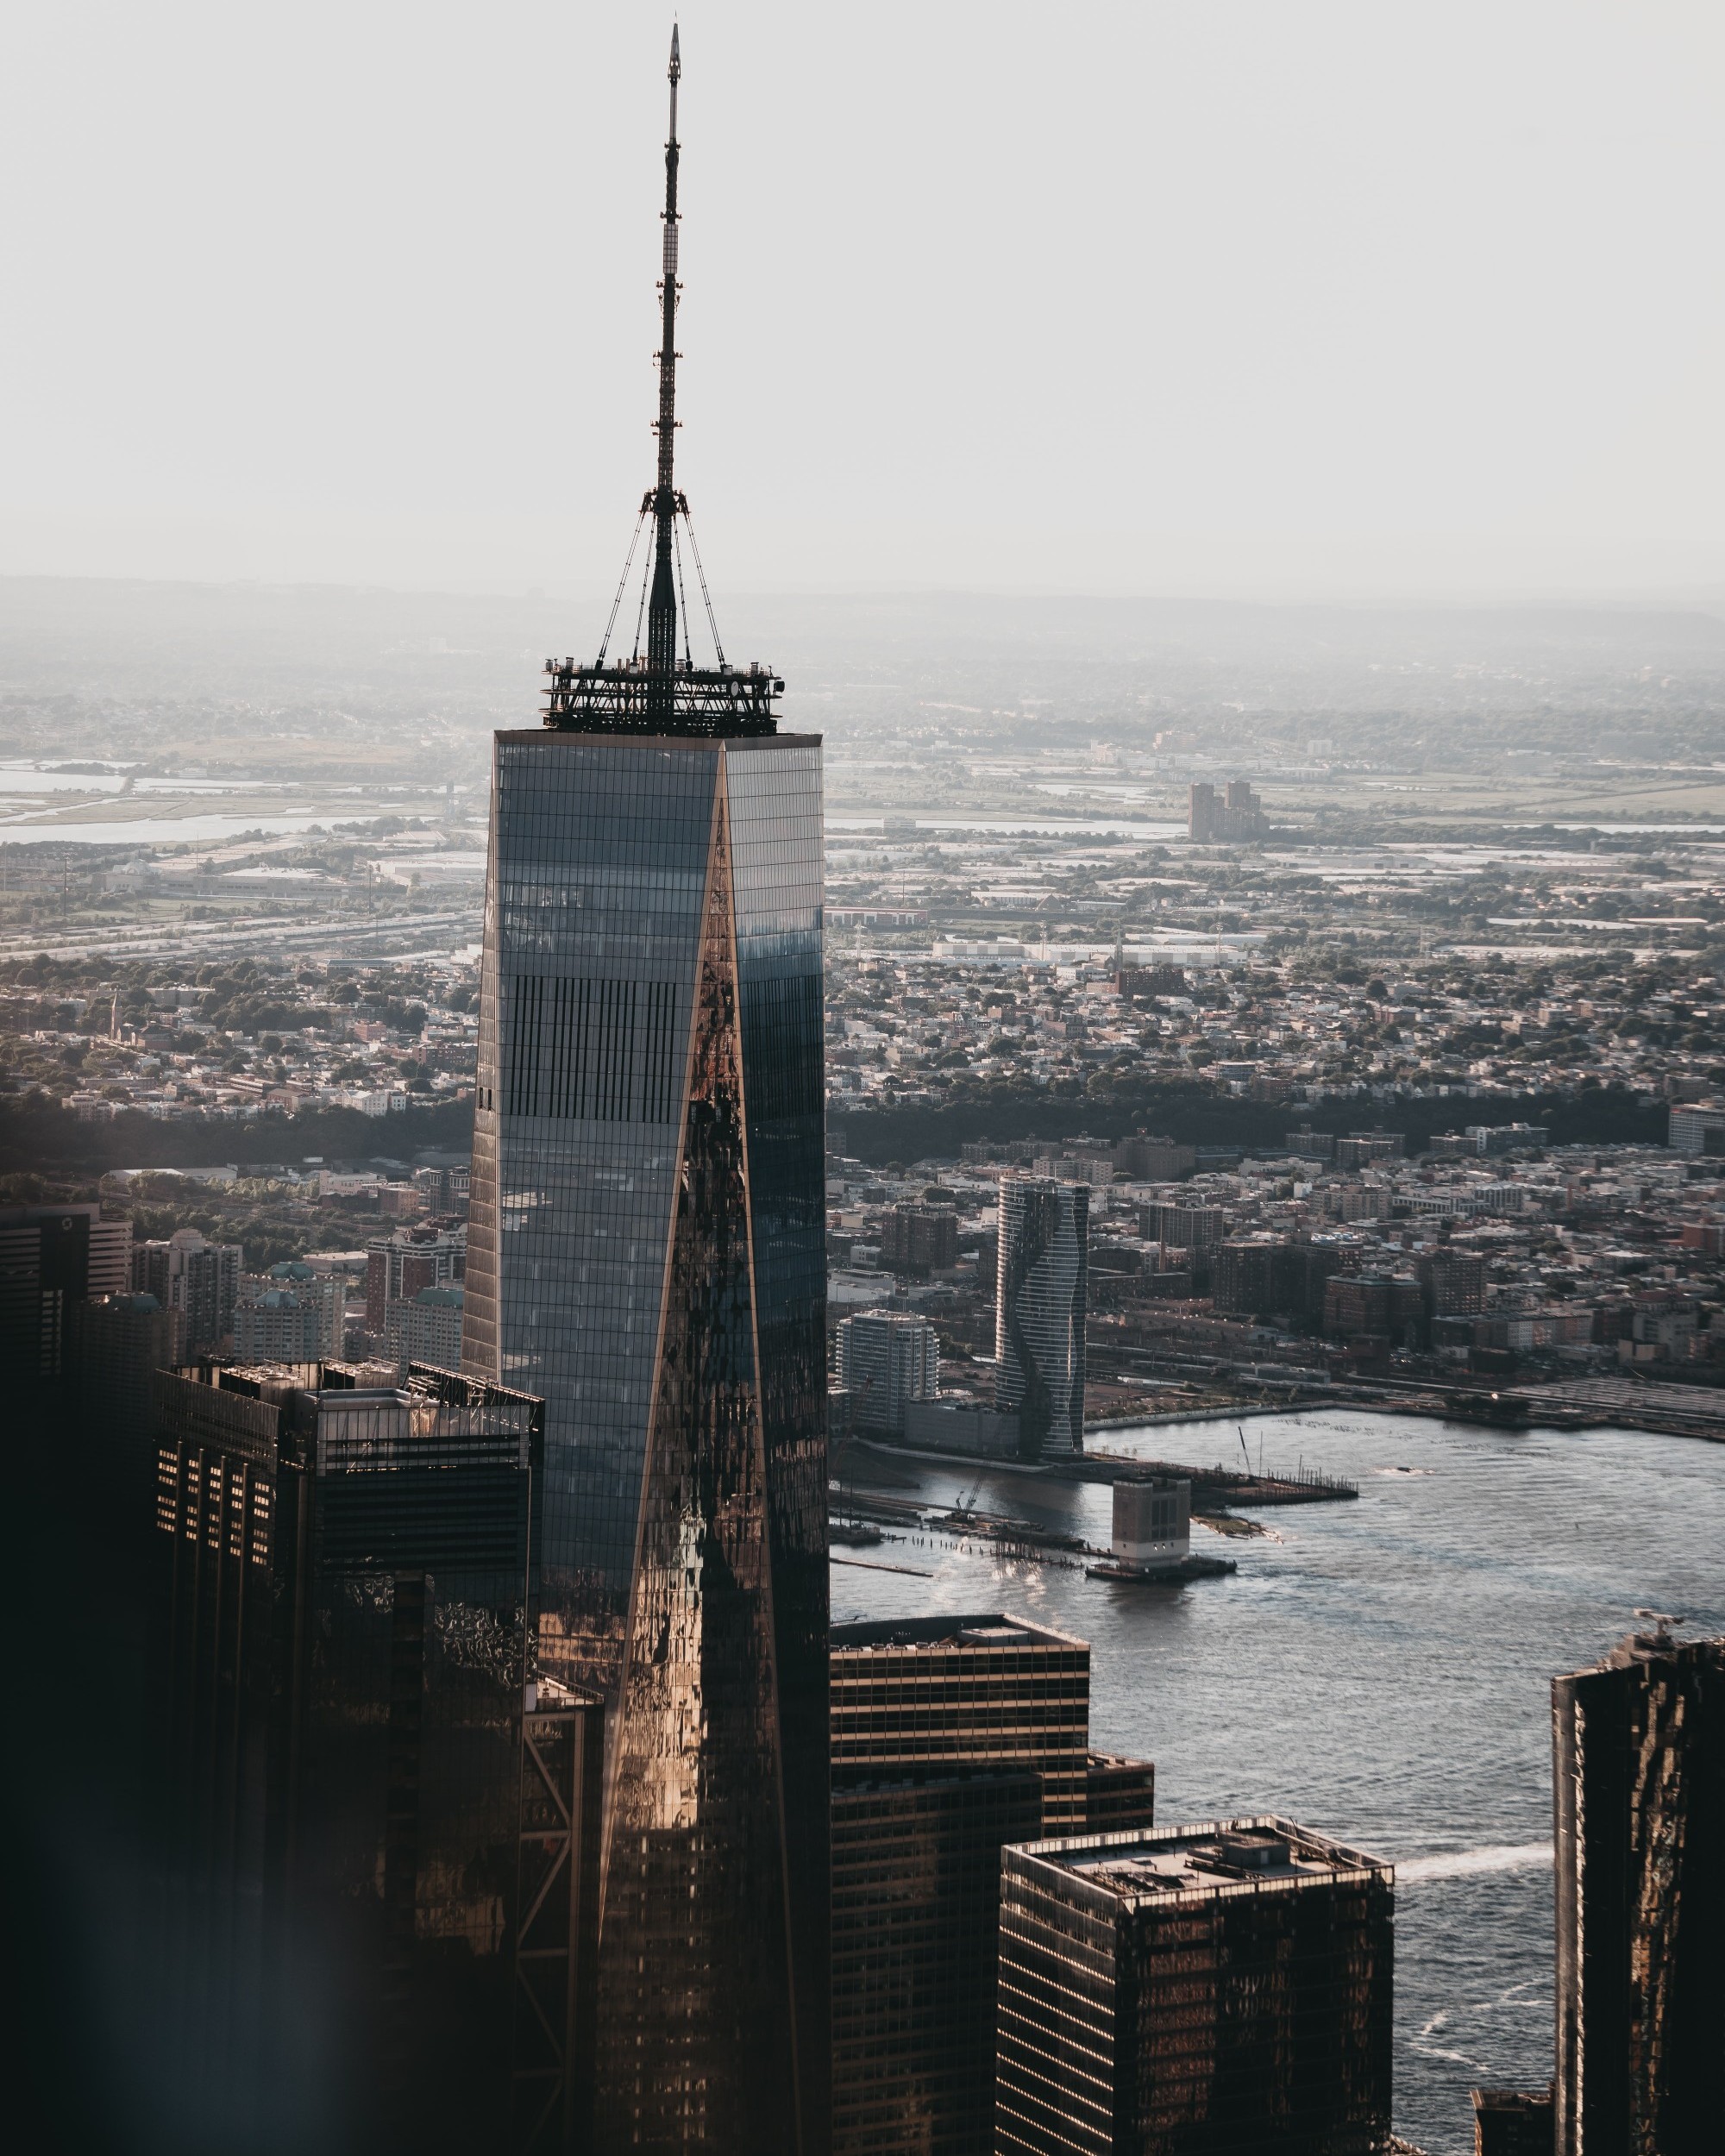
(647, 1237)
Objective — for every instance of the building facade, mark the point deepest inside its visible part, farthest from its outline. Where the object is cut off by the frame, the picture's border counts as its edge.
(1224, 1990)
(1638, 1774)
(916, 1902)
(1041, 1302)
(887, 1359)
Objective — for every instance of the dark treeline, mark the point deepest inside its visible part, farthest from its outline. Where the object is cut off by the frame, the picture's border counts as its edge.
(37, 1134)
(1593, 1115)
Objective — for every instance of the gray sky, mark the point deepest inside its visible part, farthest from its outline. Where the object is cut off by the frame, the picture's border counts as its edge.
(1278, 299)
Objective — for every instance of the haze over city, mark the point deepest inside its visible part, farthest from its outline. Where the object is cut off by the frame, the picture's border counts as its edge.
(1174, 299)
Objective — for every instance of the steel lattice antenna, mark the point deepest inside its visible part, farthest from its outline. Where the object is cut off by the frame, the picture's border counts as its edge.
(664, 501)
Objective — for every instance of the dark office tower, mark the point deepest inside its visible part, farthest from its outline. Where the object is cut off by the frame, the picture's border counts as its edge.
(926, 1696)
(951, 1737)
(52, 1257)
(1220, 1991)
(647, 1251)
(1639, 1783)
(117, 1344)
(916, 1905)
(380, 1852)
(1041, 1299)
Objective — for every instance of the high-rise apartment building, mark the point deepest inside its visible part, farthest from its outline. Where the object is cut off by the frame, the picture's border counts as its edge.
(378, 1863)
(426, 1330)
(951, 1737)
(199, 1279)
(1183, 1228)
(1230, 817)
(1639, 1787)
(434, 1254)
(1456, 1280)
(317, 1289)
(920, 1239)
(51, 1257)
(277, 1324)
(1041, 1299)
(647, 1252)
(1224, 1990)
(1375, 1305)
(886, 1358)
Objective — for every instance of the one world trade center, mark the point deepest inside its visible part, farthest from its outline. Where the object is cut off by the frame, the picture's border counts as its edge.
(646, 1252)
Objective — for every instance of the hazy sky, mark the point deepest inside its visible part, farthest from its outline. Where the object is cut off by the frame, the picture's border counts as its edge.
(1304, 295)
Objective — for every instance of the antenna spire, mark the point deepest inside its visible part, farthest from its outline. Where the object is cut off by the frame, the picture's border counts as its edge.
(662, 606)
(664, 695)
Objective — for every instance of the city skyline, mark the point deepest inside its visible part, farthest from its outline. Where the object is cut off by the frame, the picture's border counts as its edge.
(623, 1500)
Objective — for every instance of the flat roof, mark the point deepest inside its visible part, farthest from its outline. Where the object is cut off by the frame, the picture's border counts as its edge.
(989, 1628)
(1148, 1866)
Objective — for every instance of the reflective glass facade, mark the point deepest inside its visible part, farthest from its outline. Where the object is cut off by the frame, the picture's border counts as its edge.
(646, 1251)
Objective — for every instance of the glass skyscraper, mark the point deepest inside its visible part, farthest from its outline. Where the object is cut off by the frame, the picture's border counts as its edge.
(1039, 1307)
(646, 1238)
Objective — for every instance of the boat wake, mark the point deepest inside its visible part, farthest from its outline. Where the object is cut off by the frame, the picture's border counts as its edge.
(1469, 1864)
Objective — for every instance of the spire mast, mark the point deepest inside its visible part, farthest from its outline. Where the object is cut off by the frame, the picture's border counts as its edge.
(663, 696)
(661, 606)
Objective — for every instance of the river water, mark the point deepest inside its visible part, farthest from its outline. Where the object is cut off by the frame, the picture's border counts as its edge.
(1379, 1671)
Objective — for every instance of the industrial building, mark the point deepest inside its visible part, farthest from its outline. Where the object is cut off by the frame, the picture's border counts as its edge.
(1152, 1525)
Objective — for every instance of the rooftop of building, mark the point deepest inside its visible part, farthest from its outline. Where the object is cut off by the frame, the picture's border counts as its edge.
(1660, 1645)
(991, 1628)
(1145, 1866)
